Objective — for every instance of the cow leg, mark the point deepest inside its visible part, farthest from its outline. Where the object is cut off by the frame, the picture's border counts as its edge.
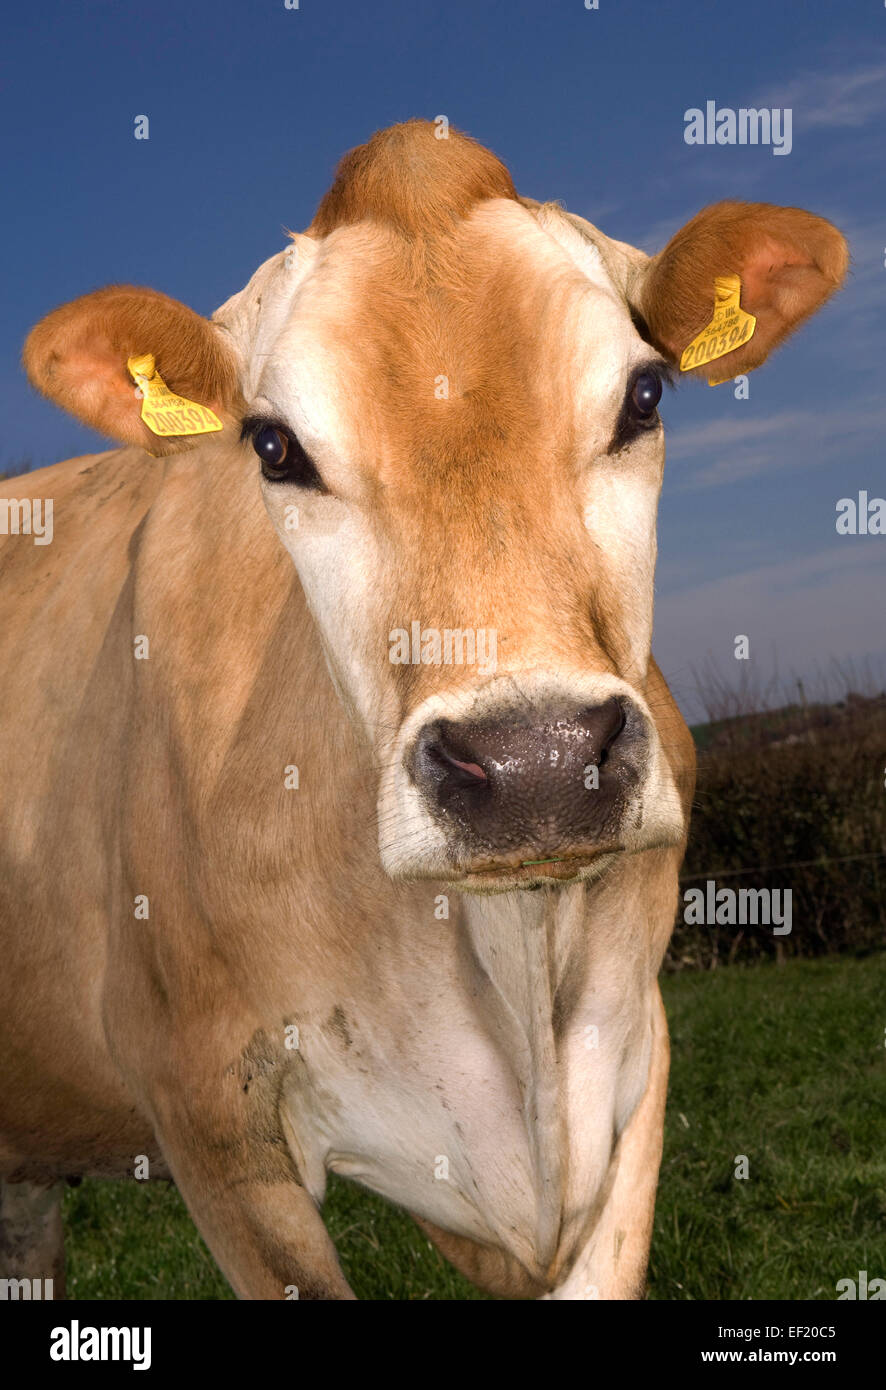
(269, 1240)
(612, 1264)
(240, 1183)
(32, 1243)
(266, 1233)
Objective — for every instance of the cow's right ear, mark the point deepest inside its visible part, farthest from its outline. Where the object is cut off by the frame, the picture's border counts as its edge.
(78, 354)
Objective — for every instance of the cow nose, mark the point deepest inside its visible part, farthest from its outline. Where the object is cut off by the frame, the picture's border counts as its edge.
(532, 782)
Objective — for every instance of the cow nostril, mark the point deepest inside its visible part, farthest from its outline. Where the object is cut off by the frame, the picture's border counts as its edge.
(472, 774)
(605, 723)
(616, 734)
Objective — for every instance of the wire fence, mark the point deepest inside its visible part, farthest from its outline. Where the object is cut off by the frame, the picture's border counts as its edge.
(776, 868)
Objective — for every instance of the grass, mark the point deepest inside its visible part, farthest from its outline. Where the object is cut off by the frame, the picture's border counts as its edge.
(785, 1064)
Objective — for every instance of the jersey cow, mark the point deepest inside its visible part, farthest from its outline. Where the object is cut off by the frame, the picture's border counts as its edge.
(353, 848)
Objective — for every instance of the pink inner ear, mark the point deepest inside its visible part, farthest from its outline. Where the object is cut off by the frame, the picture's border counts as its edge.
(778, 277)
(104, 388)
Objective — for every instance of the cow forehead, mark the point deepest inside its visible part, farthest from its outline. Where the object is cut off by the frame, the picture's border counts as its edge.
(397, 355)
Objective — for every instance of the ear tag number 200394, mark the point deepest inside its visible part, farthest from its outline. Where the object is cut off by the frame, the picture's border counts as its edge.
(730, 326)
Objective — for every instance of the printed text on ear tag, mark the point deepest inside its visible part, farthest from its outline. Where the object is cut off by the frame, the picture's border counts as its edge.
(163, 411)
(729, 326)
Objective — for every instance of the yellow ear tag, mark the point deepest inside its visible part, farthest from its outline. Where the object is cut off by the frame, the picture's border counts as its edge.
(729, 326)
(163, 411)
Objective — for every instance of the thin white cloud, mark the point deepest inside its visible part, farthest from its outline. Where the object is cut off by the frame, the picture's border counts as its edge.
(849, 97)
(719, 452)
(800, 615)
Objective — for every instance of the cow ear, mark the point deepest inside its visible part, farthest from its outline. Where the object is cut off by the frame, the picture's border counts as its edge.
(788, 262)
(78, 355)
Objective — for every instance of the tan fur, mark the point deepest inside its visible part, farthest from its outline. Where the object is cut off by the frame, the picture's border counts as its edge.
(164, 778)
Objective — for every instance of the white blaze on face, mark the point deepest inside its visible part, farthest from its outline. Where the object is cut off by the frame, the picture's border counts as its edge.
(255, 317)
(337, 557)
(620, 516)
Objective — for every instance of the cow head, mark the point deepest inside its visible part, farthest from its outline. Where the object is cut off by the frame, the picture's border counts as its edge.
(451, 394)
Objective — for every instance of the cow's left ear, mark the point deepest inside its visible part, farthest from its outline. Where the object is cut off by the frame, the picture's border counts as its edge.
(788, 262)
(79, 354)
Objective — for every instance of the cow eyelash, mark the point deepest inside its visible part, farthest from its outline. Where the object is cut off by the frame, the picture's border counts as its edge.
(282, 457)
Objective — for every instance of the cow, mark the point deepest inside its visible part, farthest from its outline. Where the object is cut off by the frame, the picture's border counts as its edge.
(291, 881)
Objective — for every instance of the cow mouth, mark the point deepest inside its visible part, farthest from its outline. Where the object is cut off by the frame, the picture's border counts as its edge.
(518, 872)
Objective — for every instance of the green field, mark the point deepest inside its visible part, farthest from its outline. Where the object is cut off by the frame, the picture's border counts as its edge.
(785, 1064)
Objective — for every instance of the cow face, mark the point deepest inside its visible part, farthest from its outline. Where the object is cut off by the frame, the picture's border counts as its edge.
(452, 399)
(464, 465)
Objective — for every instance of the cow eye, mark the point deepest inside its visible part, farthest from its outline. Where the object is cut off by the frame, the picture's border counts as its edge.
(272, 447)
(645, 395)
(283, 460)
(639, 413)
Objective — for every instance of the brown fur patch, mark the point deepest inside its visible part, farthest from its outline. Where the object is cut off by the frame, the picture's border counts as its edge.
(407, 179)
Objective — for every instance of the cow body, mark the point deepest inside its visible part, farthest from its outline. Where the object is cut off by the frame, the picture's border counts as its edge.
(256, 977)
(420, 1038)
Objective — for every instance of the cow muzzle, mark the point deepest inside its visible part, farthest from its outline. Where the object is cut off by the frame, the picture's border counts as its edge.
(523, 792)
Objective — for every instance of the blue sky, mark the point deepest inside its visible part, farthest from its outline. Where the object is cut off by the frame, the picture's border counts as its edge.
(251, 105)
